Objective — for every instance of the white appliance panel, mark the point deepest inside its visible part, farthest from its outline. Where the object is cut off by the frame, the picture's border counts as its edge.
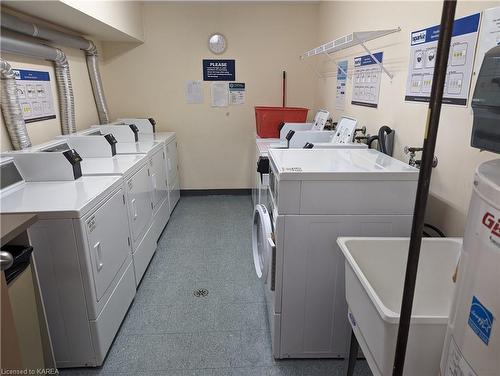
(159, 178)
(139, 192)
(108, 241)
(314, 311)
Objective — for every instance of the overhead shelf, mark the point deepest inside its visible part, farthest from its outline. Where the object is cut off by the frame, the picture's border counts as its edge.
(106, 21)
(357, 38)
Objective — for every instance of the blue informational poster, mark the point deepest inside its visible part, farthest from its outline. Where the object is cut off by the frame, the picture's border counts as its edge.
(219, 70)
(341, 85)
(35, 95)
(366, 80)
(423, 47)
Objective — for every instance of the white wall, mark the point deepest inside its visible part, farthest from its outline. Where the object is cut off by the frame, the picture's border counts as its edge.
(216, 145)
(452, 180)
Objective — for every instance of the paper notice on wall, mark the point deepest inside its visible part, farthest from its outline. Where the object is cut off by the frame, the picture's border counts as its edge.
(237, 92)
(35, 95)
(423, 49)
(341, 85)
(489, 35)
(366, 80)
(194, 92)
(220, 94)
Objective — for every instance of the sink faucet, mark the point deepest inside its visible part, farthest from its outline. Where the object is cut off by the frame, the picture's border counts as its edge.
(412, 151)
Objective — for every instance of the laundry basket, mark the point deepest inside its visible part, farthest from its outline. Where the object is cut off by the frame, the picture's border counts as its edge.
(268, 119)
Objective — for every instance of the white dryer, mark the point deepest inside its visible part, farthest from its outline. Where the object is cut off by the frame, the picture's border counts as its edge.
(147, 132)
(82, 254)
(99, 159)
(154, 150)
(315, 196)
(341, 138)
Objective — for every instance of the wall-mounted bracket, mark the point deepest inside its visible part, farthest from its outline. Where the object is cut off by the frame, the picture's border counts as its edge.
(351, 40)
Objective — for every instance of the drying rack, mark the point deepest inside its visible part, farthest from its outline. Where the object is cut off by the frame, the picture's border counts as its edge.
(357, 38)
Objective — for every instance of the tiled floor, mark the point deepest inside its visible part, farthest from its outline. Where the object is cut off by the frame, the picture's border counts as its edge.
(169, 331)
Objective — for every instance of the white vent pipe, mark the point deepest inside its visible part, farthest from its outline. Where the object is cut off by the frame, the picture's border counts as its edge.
(14, 23)
(14, 43)
(11, 109)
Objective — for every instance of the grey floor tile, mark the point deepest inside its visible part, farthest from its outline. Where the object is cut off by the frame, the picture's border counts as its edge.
(230, 268)
(149, 352)
(241, 316)
(180, 265)
(82, 372)
(256, 348)
(286, 370)
(147, 319)
(319, 367)
(168, 292)
(233, 291)
(215, 350)
(196, 316)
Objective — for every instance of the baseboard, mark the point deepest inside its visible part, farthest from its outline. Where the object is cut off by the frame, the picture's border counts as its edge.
(216, 192)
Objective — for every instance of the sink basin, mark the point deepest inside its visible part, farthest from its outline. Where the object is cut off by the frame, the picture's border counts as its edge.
(374, 272)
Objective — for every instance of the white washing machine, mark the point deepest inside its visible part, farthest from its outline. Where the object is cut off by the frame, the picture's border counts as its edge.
(147, 132)
(154, 150)
(82, 255)
(314, 197)
(136, 178)
(341, 138)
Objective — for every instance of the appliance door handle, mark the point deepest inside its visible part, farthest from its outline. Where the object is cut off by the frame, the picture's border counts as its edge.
(134, 209)
(98, 256)
(153, 181)
(273, 263)
(169, 164)
(6, 260)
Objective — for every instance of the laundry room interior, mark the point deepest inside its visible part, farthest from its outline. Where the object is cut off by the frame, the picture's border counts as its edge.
(250, 188)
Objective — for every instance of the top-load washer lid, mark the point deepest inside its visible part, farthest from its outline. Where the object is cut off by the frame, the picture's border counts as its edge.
(263, 146)
(145, 125)
(165, 137)
(117, 165)
(141, 147)
(61, 199)
(338, 164)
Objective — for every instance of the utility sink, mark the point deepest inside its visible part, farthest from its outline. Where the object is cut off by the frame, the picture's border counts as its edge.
(374, 271)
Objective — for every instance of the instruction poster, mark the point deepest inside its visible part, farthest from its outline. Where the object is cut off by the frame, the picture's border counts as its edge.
(489, 35)
(237, 92)
(423, 47)
(366, 80)
(341, 85)
(194, 92)
(220, 94)
(35, 95)
(219, 70)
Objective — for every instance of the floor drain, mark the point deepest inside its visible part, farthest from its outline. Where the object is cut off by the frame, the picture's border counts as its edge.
(200, 293)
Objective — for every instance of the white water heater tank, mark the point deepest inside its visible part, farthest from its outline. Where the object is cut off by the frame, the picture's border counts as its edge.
(472, 344)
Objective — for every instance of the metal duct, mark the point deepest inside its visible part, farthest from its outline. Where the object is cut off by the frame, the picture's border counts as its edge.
(11, 109)
(96, 82)
(9, 42)
(14, 23)
(65, 94)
